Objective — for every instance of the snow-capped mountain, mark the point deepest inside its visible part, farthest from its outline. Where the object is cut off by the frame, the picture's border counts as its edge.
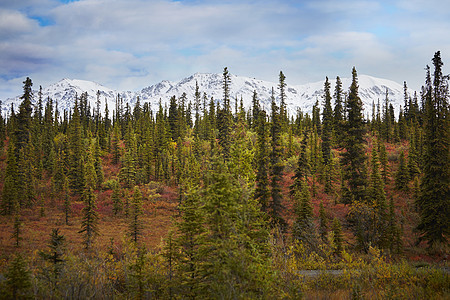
(298, 96)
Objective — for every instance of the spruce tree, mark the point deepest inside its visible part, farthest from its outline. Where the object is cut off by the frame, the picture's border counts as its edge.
(284, 119)
(402, 176)
(23, 122)
(433, 203)
(338, 238)
(262, 192)
(338, 113)
(55, 255)
(323, 222)
(327, 124)
(224, 117)
(353, 160)
(276, 207)
(136, 215)
(11, 188)
(18, 279)
(89, 223)
(190, 240)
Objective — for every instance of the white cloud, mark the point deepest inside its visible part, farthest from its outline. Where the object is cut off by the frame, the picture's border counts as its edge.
(131, 44)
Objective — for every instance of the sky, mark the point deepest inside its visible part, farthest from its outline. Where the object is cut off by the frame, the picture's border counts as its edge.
(132, 44)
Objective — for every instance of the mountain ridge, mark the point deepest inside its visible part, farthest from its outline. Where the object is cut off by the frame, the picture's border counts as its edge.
(301, 96)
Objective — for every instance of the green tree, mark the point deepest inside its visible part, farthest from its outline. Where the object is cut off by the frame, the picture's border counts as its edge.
(323, 222)
(18, 279)
(135, 215)
(275, 206)
(402, 176)
(116, 200)
(262, 192)
(55, 256)
(192, 234)
(337, 234)
(22, 132)
(224, 117)
(89, 223)
(353, 160)
(433, 203)
(327, 124)
(10, 193)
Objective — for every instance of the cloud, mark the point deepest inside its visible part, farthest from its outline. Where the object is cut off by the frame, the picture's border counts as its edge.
(131, 44)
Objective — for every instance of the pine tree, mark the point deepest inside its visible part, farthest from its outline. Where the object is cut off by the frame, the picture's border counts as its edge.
(17, 230)
(284, 119)
(303, 168)
(433, 203)
(353, 159)
(18, 279)
(22, 133)
(338, 238)
(116, 200)
(55, 255)
(76, 151)
(89, 223)
(275, 206)
(327, 124)
(224, 117)
(67, 204)
(191, 237)
(10, 193)
(323, 222)
(377, 196)
(262, 192)
(402, 176)
(135, 215)
(338, 114)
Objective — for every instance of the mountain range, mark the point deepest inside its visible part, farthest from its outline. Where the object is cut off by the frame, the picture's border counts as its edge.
(298, 96)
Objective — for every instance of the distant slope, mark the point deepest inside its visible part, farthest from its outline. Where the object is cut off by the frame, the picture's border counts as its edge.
(298, 96)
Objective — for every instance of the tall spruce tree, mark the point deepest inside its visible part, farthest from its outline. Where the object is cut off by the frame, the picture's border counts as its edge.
(327, 124)
(136, 215)
(262, 193)
(276, 207)
(434, 199)
(353, 160)
(224, 117)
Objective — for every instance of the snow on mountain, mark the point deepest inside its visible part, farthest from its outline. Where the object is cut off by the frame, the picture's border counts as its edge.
(298, 96)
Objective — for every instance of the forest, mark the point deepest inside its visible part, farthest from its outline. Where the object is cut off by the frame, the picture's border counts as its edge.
(207, 199)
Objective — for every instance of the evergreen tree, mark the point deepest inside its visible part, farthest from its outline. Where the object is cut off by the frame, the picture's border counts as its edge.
(323, 222)
(276, 206)
(17, 230)
(337, 234)
(11, 188)
(303, 168)
(402, 176)
(76, 151)
(284, 119)
(18, 279)
(353, 159)
(191, 238)
(224, 118)
(135, 215)
(67, 204)
(22, 133)
(338, 113)
(327, 124)
(377, 197)
(433, 203)
(89, 223)
(55, 255)
(116, 200)
(262, 192)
